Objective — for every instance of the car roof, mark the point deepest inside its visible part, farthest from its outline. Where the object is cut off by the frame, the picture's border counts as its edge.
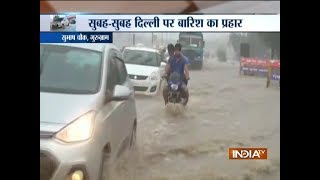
(90, 46)
(143, 49)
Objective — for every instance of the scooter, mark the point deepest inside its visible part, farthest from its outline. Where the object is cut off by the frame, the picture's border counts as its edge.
(174, 85)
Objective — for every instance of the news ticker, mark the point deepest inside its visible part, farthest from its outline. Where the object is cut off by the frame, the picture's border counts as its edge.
(160, 23)
(76, 37)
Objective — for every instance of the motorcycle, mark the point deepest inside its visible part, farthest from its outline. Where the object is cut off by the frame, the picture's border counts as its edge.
(174, 85)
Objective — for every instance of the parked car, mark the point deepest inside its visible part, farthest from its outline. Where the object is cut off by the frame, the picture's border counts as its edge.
(145, 67)
(87, 110)
(60, 23)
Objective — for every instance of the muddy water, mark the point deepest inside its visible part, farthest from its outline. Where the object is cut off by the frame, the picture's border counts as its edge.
(225, 110)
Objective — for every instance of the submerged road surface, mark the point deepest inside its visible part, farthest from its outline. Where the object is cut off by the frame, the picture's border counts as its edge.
(225, 110)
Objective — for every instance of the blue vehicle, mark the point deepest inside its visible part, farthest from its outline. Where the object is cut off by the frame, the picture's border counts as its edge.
(174, 86)
(192, 47)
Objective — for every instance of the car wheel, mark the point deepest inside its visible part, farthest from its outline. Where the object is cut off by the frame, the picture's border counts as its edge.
(133, 135)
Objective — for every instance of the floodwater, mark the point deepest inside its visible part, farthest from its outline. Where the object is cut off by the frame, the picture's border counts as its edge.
(225, 110)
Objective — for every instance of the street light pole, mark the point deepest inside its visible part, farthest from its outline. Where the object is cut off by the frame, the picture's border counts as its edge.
(152, 39)
(134, 39)
(162, 39)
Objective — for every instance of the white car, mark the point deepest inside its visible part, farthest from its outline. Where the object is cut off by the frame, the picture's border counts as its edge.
(87, 110)
(145, 68)
(60, 23)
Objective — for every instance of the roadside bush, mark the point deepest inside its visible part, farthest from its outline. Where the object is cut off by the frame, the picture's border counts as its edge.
(221, 54)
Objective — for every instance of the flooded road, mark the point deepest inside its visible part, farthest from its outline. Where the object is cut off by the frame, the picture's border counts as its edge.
(225, 110)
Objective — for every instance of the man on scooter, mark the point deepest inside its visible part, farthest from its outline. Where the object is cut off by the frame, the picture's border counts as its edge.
(171, 55)
(177, 63)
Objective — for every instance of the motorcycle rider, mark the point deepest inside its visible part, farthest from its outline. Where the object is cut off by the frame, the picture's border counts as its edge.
(171, 54)
(185, 80)
(170, 50)
(177, 63)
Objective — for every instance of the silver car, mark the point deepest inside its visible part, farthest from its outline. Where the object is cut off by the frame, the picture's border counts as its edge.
(87, 110)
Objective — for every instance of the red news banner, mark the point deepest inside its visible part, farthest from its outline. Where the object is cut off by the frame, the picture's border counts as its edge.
(259, 67)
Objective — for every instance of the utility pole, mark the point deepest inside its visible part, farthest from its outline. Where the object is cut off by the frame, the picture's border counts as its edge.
(162, 39)
(152, 39)
(134, 39)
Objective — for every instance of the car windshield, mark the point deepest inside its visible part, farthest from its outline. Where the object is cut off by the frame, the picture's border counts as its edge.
(141, 57)
(69, 70)
(191, 41)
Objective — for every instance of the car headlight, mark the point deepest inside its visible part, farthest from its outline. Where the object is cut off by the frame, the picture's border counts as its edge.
(154, 76)
(79, 130)
(174, 87)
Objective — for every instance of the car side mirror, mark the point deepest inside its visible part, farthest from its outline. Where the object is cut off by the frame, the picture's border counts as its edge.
(121, 93)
